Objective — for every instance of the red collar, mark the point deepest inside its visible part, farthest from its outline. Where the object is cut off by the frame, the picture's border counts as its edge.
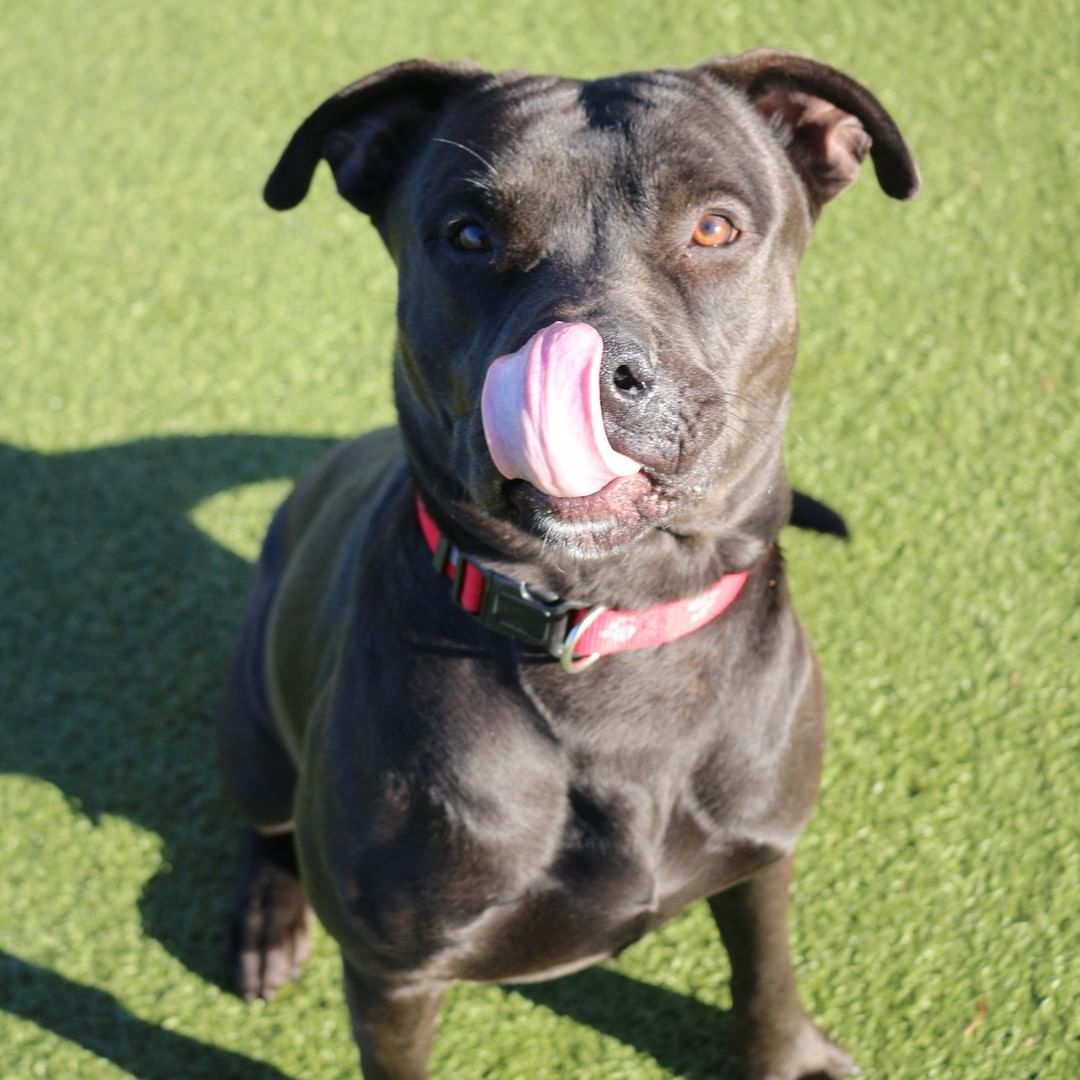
(577, 636)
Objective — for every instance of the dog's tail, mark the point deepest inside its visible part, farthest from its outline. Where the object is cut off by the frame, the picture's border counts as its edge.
(808, 513)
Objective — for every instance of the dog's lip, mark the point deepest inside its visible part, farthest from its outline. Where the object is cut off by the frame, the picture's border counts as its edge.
(616, 501)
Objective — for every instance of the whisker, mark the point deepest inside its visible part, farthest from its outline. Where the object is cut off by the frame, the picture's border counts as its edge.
(469, 150)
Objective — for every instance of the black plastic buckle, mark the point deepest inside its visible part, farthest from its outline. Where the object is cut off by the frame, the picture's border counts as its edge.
(509, 607)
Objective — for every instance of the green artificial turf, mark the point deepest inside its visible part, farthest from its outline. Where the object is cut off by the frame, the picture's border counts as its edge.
(172, 353)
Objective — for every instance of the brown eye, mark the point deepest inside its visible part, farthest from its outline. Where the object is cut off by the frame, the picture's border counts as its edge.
(714, 230)
(469, 236)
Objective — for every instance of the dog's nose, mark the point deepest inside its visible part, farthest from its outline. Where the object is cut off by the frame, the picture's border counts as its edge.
(627, 375)
(630, 380)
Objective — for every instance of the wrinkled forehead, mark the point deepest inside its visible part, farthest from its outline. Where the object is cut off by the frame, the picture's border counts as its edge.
(650, 139)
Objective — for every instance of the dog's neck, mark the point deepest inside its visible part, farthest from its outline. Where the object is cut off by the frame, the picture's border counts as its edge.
(577, 636)
(730, 529)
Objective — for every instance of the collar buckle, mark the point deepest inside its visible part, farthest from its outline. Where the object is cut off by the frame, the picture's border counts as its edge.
(509, 607)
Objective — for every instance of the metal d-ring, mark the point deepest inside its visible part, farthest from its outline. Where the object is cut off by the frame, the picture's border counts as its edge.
(566, 656)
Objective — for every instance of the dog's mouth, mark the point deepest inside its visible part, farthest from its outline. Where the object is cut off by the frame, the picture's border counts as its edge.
(591, 525)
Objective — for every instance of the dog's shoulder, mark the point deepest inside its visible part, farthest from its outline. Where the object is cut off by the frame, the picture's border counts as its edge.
(341, 479)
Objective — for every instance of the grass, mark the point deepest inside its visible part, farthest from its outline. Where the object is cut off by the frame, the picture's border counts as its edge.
(171, 354)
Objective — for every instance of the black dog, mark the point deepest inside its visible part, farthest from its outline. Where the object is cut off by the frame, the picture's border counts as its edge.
(596, 330)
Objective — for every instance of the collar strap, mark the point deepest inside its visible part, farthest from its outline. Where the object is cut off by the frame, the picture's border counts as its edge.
(574, 635)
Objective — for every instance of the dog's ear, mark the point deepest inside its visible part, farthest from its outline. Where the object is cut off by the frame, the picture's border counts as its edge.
(826, 120)
(366, 132)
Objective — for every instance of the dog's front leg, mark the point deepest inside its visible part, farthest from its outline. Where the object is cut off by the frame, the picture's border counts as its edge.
(776, 1036)
(394, 1027)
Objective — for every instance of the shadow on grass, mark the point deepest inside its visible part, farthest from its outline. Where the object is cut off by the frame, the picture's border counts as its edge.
(686, 1037)
(116, 623)
(99, 1023)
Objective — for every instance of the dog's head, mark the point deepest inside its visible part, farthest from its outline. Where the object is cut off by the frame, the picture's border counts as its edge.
(597, 314)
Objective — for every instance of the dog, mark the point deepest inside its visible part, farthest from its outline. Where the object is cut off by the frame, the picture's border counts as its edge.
(521, 678)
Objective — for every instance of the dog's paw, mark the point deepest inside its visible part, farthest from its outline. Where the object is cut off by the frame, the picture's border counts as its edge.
(270, 923)
(805, 1055)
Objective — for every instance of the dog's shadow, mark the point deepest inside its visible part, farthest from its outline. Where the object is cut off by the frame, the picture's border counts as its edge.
(117, 618)
(687, 1037)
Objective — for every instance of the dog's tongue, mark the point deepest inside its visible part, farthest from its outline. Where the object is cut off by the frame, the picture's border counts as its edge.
(541, 413)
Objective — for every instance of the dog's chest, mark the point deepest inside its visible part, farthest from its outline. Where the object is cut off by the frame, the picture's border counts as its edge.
(634, 831)
(542, 854)
(646, 848)
(630, 857)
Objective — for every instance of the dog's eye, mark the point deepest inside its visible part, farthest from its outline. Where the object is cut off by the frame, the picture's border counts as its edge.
(469, 236)
(714, 230)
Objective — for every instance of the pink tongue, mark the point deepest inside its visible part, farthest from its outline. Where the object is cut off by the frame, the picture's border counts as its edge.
(542, 418)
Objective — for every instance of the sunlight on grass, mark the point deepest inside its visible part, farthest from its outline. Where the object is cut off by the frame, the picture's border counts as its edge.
(236, 519)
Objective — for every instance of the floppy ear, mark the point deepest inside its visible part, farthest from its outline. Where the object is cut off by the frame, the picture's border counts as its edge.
(366, 132)
(827, 121)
